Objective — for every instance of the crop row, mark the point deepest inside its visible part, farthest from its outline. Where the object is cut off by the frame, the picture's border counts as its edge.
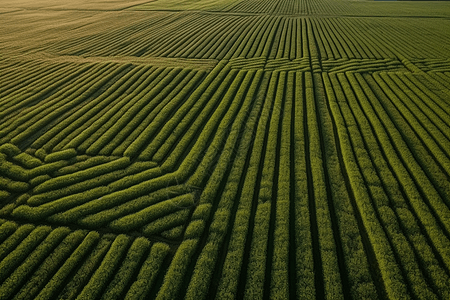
(433, 65)
(252, 224)
(290, 7)
(427, 118)
(202, 36)
(366, 38)
(88, 111)
(62, 181)
(224, 36)
(255, 6)
(286, 156)
(388, 196)
(49, 108)
(362, 65)
(296, 7)
(100, 190)
(328, 8)
(275, 184)
(205, 5)
(15, 92)
(123, 27)
(114, 195)
(357, 271)
(279, 64)
(91, 128)
(38, 262)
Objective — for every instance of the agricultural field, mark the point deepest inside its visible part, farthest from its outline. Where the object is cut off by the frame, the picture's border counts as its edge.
(226, 149)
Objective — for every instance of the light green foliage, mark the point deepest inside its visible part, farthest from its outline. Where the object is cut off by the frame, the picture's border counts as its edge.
(7, 209)
(45, 210)
(280, 264)
(390, 271)
(161, 117)
(58, 136)
(73, 96)
(202, 211)
(195, 102)
(47, 169)
(355, 260)
(83, 138)
(160, 95)
(233, 98)
(115, 179)
(388, 216)
(206, 104)
(84, 162)
(41, 154)
(254, 286)
(205, 264)
(321, 197)
(106, 216)
(135, 114)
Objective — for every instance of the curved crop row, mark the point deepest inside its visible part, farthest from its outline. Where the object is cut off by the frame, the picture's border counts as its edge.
(362, 65)
(278, 64)
(433, 65)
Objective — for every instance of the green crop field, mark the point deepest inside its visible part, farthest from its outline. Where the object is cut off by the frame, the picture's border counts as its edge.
(224, 149)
